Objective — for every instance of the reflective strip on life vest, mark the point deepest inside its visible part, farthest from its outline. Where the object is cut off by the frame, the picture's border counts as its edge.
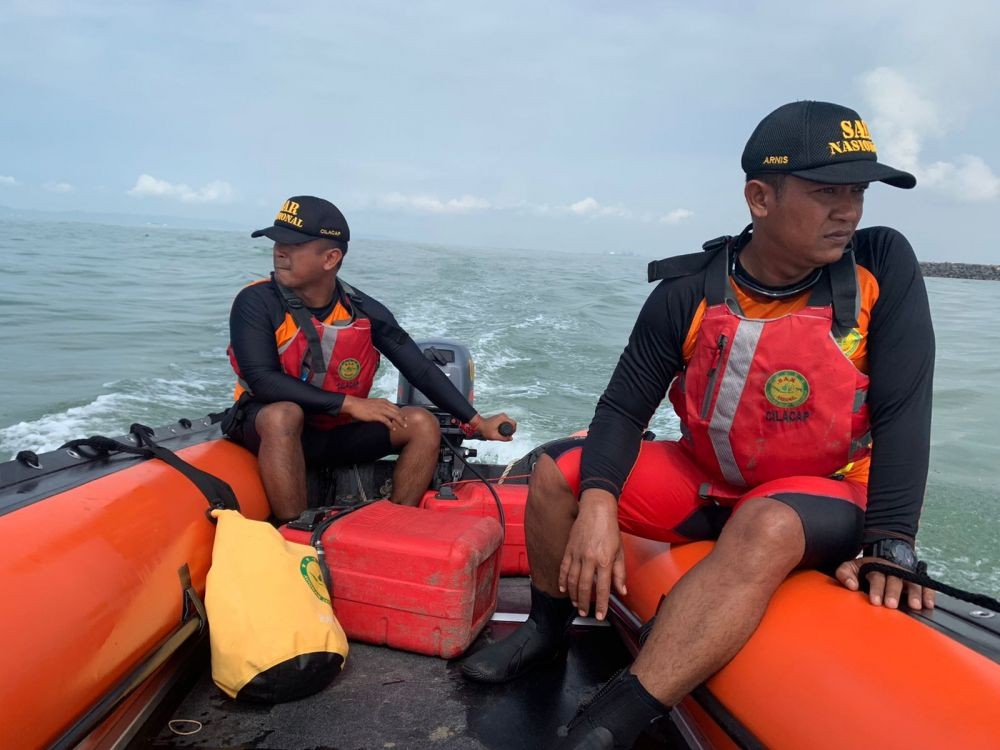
(860, 396)
(734, 379)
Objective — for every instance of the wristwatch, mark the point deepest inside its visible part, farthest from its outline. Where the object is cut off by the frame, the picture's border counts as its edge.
(897, 551)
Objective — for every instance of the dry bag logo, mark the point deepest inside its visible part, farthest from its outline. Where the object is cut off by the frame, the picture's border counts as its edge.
(349, 369)
(309, 568)
(787, 389)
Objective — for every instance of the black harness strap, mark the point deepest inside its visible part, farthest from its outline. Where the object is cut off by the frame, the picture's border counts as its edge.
(718, 290)
(839, 288)
(304, 320)
(216, 491)
(676, 267)
(846, 298)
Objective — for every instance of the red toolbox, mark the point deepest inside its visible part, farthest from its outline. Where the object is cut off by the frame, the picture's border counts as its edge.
(411, 579)
(474, 499)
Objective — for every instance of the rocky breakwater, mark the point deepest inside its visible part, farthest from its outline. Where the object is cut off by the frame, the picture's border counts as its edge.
(961, 271)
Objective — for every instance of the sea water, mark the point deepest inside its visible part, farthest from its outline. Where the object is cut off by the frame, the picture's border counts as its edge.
(102, 326)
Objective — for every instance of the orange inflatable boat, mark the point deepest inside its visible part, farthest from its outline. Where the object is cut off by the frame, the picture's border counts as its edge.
(103, 560)
(825, 669)
(102, 569)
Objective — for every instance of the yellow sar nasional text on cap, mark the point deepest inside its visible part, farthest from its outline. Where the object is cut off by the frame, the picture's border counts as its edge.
(856, 138)
(288, 214)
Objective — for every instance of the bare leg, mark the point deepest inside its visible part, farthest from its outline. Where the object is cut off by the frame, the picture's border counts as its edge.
(419, 441)
(715, 608)
(548, 518)
(282, 464)
(707, 617)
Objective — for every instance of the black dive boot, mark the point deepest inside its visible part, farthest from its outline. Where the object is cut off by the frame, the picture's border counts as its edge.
(614, 718)
(538, 640)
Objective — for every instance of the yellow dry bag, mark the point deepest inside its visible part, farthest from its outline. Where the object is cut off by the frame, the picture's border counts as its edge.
(273, 633)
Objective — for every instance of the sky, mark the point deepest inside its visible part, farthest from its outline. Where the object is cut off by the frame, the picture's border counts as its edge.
(598, 127)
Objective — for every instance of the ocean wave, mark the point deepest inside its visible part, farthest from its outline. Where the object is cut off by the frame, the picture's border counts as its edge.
(103, 415)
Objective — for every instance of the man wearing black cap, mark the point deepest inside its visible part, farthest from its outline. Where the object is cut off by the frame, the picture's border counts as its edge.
(305, 347)
(799, 357)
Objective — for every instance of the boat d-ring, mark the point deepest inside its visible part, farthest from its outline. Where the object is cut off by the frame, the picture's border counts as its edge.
(29, 459)
(982, 614)
(185, 727)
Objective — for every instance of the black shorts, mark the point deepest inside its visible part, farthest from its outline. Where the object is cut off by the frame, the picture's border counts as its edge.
(352, 443)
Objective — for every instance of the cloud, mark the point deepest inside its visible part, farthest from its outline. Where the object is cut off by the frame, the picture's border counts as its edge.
(5, 180)
(588, 207)
(676, 216)
(430, 204)
(591, 207)
(213, 192)
(968, 177)
(903, 120)
(58, 187)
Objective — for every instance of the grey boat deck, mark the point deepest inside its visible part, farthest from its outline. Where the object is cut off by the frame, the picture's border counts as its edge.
(386, 698)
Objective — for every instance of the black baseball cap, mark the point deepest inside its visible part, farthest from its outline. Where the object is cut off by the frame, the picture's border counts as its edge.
(821, 142)
(304, 218)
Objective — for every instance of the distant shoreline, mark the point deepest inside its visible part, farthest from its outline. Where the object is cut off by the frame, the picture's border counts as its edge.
(961, 271)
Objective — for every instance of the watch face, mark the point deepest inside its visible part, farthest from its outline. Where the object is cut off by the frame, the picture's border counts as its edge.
(897, 551)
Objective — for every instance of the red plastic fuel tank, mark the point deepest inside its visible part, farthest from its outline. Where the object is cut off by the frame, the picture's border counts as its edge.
(409, 578)
(474, 499)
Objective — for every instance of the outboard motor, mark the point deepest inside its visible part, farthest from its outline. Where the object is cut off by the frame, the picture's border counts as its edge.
(455, 360)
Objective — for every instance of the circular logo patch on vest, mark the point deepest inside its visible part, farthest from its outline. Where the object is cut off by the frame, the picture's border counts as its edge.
(850, 342)
(787, 389)
(349, 369)
(310, 570)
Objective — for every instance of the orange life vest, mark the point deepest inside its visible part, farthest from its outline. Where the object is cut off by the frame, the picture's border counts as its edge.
(766, 399)
(337, 354)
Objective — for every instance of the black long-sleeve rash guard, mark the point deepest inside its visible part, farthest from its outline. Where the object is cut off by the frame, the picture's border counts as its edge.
(257, 313)
(901, 368)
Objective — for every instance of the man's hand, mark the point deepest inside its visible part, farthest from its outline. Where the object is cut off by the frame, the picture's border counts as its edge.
(373, 410)
(884, 590)
(594, 548)
(489, 427)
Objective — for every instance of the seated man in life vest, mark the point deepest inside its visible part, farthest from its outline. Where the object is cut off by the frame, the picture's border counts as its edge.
(305, 346)
(799, 357)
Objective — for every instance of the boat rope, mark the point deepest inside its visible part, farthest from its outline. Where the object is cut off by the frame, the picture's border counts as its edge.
(920, 577)
(217, 492)
(506, 471)
(185, 727)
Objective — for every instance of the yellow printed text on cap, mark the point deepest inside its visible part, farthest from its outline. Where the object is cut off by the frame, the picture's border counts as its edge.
(855, 129)
(289, 214)
(856, 137)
